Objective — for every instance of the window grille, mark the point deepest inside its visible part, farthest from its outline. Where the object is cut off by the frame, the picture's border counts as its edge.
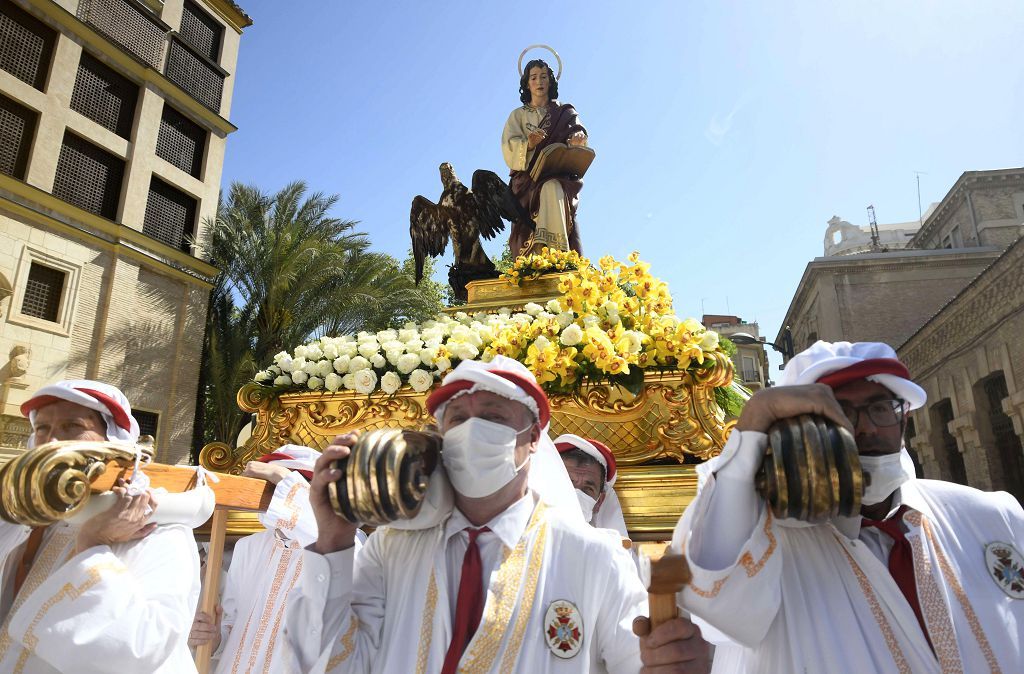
(88, 177)
(26, 45)
(201, 31)
(43, 290)
(104, 96)
(181, 141)
(170, 215)
(148, 422)
(17, 127)
(201, 78)
(128, 24)
(942, 414)
(1007, 442)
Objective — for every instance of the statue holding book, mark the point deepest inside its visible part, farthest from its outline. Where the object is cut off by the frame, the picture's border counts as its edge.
(545, 146)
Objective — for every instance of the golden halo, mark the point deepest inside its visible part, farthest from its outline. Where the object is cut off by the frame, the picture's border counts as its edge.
(541, 46)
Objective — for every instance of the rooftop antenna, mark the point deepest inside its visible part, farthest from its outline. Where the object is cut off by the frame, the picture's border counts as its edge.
(920, 213)
(876, 246)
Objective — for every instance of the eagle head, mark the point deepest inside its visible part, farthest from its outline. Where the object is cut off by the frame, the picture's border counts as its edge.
(448, 177)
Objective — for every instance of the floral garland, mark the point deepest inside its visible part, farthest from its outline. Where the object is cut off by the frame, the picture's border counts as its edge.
(548, 261)
(610, 323)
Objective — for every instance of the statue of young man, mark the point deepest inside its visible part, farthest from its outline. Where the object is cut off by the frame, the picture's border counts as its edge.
(552, 202)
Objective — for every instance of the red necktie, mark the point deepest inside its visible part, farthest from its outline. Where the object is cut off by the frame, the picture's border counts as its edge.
(470, 605)
(901, 562)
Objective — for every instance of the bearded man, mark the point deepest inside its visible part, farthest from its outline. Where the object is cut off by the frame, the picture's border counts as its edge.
(506, 577)
(113, 594)
(926, 579)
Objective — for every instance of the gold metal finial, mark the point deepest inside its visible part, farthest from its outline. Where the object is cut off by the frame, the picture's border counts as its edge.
(541, 46)
(50, 483)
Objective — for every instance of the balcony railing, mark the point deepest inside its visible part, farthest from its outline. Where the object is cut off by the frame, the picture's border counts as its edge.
(749, 375)
(130, 25)
(201, 78)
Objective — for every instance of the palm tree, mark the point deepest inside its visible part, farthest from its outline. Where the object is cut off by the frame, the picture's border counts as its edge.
(289, 272)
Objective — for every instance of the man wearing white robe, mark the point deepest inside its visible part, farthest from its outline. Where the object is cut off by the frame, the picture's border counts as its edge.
(264, 569)
(113, 594)
(593, 475)
(397, 604)
(931, 596)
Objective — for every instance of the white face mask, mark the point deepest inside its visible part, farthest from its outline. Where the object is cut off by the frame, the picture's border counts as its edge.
(887, 474)
(586, 504)
(480, 456)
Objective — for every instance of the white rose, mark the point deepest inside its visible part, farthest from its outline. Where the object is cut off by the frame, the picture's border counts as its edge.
(313, 352)
(311, 367)
(348, 349)
(298, 364)
(541, 342)
(341, 364)
(553, 306)
(414, 345)
(314, 383)
(283, 380)
(692, 325)
(565, 319)
(610, 307)
(635, 341)
(330, 351)
(390, 382)
(285, 362)
(420, 380)
(408, 362)
(299, 377)
(324, 368)
(464, 350)
(428, 355)
(461, 316)
(590, 321)
(367, 349)
(262, 376)
(378, 361)
(533, 308)
(349, 381)
(365, 381)
(485, 334)
(387, 335)
(281, 355)
(301, 352)
(407, 335)
(332, 382)
(443, 364)
(358, 363)
(572, 335)
(710, 341)
(274, 370)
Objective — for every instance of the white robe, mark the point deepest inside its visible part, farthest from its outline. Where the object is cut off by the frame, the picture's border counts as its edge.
(816, 598)
(264, 569)
(388, 609)
(126, 608)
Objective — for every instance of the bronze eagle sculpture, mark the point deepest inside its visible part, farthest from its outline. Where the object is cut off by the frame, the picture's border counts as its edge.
(463, 215)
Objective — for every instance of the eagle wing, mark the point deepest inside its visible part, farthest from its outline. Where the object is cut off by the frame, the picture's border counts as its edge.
(495, 202)
(428, 228)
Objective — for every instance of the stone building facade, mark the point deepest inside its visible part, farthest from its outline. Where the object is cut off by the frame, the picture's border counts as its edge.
(952, 304)
(114, 115)
(751, 360)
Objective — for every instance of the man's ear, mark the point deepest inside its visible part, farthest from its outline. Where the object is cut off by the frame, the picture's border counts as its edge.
(534, 437)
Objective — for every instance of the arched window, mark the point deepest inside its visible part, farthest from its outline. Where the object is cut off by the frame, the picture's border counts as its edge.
(951, 461)
(1006, 464)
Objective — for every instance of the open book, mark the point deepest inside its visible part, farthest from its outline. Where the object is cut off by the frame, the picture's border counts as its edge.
(561, 159)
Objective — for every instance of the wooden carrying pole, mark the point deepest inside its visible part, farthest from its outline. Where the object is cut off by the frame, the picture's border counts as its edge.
(669, 573)
(232, 492)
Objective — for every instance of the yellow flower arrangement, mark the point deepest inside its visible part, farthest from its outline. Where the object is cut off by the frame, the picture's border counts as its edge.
(547, 261)
(611, 322)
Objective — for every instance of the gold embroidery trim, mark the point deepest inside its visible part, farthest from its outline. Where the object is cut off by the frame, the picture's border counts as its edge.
(876, 611)
(427, 625)
(746, 561)
(512, 650)
(275, 589)
(294, 508)
(933, 605)
(501, 600)
(56, 550)
(268, 658)
(348, 645)
(965, 604)
(67, 590)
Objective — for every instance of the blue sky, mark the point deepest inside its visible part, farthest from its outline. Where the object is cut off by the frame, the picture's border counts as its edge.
(727, 133)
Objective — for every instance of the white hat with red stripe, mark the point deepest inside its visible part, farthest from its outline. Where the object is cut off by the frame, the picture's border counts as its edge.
(592, 448)
(293, 457)
(108, 400)
(838, 363)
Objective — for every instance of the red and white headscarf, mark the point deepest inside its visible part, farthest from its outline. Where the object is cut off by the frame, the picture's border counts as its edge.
(509, 379)
(839, 363)
(294, 457)
(609, 515)
(108, 400)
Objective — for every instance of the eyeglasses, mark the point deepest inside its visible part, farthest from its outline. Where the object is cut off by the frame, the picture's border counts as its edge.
(883, 413)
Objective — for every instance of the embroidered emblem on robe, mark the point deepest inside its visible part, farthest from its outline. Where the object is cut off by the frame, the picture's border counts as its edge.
(563, 631)
(1006, 566)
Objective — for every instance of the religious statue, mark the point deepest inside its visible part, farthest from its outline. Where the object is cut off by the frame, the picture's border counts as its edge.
(463, 215)
(545, 146)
